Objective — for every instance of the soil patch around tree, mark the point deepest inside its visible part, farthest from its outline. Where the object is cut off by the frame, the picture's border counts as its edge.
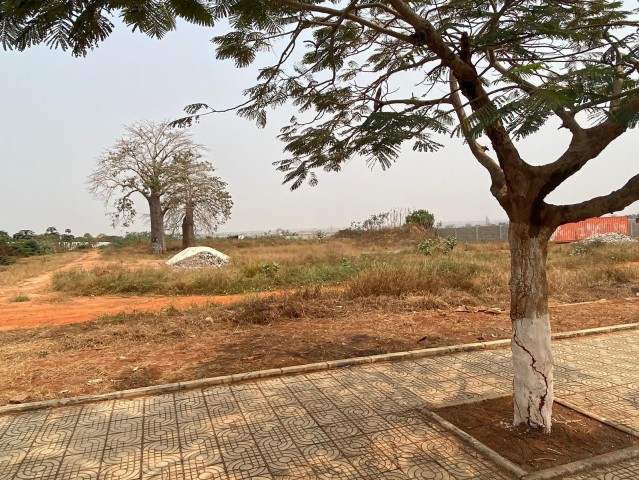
(574, 436)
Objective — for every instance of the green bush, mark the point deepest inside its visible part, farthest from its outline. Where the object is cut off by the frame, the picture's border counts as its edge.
(131, 238)
(445, 245)
(31, 247)
(421, 217)
(7, 259)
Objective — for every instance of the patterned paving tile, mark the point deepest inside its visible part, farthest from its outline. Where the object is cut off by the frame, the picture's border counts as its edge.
(121, 463)
(38, 469)
(355, 423)
(80, 467)
(626, 470)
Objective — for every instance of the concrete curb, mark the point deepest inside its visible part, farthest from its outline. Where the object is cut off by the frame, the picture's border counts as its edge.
(312, 367)
(586, 465)
(476, 445)
(595, 331)
(599, 418)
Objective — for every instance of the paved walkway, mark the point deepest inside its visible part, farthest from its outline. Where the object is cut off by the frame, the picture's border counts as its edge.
(352, 423)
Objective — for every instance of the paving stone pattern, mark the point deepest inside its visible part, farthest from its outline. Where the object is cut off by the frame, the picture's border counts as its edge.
(627, 470)
(363, 422)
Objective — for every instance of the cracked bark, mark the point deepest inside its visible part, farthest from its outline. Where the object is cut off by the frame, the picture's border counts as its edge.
(531, 350)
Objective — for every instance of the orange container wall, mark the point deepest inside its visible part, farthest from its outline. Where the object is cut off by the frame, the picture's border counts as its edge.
(571, 232)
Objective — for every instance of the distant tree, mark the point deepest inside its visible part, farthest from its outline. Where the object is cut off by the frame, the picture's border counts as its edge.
(421, 217)
(197, 201)
(142, 162)
(24, 235)
(376, 221)
(8, 253)
(67, 237)
(52, 234)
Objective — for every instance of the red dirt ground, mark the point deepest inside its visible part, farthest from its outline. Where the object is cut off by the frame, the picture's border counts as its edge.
(47, 309)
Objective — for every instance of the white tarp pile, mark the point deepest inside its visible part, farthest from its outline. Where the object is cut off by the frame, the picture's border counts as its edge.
(199, 257)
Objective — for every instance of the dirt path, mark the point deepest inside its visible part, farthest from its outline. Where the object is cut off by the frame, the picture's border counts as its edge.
(60, 310)
(39, 285)
(49, 308)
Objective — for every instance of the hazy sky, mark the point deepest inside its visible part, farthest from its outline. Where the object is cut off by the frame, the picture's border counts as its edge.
(58, 113)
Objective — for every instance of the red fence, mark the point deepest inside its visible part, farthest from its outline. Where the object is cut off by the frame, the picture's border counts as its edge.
(572, 232)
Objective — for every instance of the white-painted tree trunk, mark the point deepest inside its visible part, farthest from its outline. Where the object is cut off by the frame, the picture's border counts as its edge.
(531, 349)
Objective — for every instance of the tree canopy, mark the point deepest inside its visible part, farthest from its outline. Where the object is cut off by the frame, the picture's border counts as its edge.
(367, 77)
(161, 164)
(375, 75)
(198, 202)
(421, 217)
(81, 25)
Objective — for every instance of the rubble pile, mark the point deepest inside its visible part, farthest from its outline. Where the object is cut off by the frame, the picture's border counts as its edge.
(614, 238)
(199, 257)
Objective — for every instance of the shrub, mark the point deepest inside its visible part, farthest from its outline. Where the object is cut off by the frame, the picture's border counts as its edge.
(31, 247)
(7, 259)
(132, 238)
(446, 245)
(270, 269)
(421, 217)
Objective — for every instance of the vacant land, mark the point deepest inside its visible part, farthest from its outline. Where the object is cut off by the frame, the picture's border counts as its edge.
(334, 299)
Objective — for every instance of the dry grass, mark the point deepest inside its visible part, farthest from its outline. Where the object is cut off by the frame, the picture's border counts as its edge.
(603, 271)
(432, 276)
(475, 273)
(309, 325)
(26, 268)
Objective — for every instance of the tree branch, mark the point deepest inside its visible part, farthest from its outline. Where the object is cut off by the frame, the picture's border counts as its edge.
(568, 120)
(306, 7)
(498, 186)
(595, 207)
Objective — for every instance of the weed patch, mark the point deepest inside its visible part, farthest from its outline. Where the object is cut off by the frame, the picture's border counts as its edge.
(19, 298)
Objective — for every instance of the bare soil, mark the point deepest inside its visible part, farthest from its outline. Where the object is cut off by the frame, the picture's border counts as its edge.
(172, 345)
(574, 436)
(53, 345)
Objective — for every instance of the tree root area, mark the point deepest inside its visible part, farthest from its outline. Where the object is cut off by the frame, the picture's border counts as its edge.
(574, 436)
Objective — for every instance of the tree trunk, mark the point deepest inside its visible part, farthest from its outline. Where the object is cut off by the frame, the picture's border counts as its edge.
(157, 224)
(188, 227)
(531, 351)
